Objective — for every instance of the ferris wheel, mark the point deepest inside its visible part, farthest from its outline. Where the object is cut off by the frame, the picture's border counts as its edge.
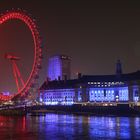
(23, 87)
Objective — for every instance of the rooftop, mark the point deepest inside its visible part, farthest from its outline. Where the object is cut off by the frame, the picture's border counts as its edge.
(60, 84)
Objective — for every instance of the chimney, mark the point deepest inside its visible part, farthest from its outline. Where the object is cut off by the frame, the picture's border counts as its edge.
(118, 67)
(79, 75)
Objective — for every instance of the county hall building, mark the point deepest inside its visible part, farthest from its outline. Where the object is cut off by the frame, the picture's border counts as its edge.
(102, 90)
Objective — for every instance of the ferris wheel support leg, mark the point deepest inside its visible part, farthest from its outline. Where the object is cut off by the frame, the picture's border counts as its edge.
(15, 75)
(19, 74)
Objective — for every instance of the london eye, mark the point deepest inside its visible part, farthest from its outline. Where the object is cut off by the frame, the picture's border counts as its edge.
(23, 86)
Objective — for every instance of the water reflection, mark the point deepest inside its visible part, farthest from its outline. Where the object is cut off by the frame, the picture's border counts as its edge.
(69, 127)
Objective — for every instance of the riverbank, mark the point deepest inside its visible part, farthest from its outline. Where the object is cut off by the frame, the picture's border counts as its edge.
(121, 110)
(13, 112)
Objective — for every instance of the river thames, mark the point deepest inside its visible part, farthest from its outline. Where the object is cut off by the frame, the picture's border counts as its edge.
(69, 127)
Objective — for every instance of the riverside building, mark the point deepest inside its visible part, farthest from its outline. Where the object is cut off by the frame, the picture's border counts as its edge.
(93, 89)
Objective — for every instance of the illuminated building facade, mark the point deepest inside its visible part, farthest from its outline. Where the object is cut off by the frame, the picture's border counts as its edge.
(102, 89)
(59, 67)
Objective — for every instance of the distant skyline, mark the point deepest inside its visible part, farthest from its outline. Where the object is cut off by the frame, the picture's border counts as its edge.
(94, 33)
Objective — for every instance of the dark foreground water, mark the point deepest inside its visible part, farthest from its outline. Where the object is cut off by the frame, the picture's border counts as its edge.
(69, 127)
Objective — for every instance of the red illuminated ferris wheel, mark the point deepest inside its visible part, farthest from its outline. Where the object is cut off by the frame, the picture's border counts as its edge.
(23, 87)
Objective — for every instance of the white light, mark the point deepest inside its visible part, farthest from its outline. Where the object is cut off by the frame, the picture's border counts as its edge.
(41, 100)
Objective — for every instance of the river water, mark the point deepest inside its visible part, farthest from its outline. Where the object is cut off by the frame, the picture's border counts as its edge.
(69, 127)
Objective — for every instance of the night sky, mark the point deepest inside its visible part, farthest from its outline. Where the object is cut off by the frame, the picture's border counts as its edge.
(94, 33)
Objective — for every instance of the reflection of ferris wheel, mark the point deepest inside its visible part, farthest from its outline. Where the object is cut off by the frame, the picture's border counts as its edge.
(29, 83)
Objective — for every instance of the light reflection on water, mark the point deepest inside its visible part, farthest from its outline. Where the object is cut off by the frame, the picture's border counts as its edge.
(68, 127)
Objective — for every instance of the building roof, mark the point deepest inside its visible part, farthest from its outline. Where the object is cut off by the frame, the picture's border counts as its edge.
(112, 78)
(61, 84)
(58, 84)
(61, 56)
